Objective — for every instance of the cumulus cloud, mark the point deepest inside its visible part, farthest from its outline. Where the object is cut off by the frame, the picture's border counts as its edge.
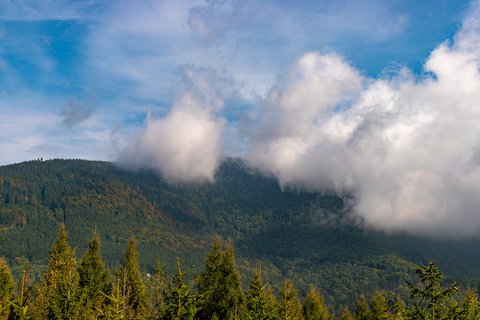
(184, 145)
(406, 148)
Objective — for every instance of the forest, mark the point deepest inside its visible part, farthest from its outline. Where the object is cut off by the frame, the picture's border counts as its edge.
(311, 239)
(85, 288)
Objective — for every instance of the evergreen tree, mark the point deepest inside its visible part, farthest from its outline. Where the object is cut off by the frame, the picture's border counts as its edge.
(362, 309)
(181, 302)
(432, 295)
(399, 311)
(314, 307)
(61, 281)
(157, 286)
(346, 314)
(23, 307)
(116, 302)
(379, 306)
(7, 288)
(219, 284)
(289, 307)
(260, 302)
(134, 287)
(94, 276)
(470, 306)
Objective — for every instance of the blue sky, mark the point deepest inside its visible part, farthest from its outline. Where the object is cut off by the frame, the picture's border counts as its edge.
(72, 73)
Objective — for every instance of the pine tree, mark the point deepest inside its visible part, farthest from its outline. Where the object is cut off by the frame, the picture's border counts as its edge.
(116, 302)
(260, 302)
(470, 306)
(134, 287)
(181, 302)
(346, 314)
(362, 309)
(314, 307)
(432, 295)
(399, 311)
(379, 306)
(289, 307)
(61, 281)
(219, 284)
(23, 307)
(94, 276)
(157, 285)
(7, 287)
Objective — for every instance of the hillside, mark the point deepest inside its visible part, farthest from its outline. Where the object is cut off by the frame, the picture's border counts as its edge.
(307, 236)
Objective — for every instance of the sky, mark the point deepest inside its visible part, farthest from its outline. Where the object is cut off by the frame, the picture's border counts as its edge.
(371, 98)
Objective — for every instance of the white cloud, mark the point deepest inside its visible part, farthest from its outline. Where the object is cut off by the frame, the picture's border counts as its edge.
(406, 148)
(185, 145)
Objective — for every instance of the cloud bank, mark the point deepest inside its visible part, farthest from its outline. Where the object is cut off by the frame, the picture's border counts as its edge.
(404, 147)
(407, 149)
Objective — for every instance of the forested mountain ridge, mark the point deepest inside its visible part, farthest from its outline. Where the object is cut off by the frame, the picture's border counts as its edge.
(306, 236)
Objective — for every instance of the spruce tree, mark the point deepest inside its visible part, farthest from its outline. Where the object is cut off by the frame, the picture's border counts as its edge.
(362, 309)
(94, 276)
(260, 302)
(379, 306)
(134, 287)
(470, 306)
(61, 281)
(7, 288)
(431, 294)
(346, 314)
(314, 307)
(289, 307)
(157, 285)
(220, 284)
(181, 302)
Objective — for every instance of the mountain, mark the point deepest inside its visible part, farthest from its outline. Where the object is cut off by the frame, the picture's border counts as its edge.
(310, 237)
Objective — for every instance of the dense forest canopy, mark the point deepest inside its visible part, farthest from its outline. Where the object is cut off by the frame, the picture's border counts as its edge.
(310, 238)
(84, 288)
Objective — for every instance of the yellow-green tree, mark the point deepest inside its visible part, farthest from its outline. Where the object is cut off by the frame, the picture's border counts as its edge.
(60, 284)
(94, 276)
(134, 286)
(219, 284)
(314, 307)
(260, 302)
(7, 288)
(289, 306)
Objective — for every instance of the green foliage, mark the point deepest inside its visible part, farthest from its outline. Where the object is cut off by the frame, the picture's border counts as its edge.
(379, 306)
(23, 307)
(431, 294)
(7, 287)
(306, 234)
(260, 302)
(346, 314)
(362, 309)
(314, 307)
(220, 284)
(470, 306)
(181, 302)
(134, 287)
(157, 285)
(94, 276)
(61, 281)
(289, 306)
(115, 303)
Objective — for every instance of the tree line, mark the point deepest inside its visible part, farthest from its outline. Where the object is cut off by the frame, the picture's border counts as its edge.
(85, 288)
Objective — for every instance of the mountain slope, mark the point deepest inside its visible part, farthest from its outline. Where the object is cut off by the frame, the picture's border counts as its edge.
(307, 236)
